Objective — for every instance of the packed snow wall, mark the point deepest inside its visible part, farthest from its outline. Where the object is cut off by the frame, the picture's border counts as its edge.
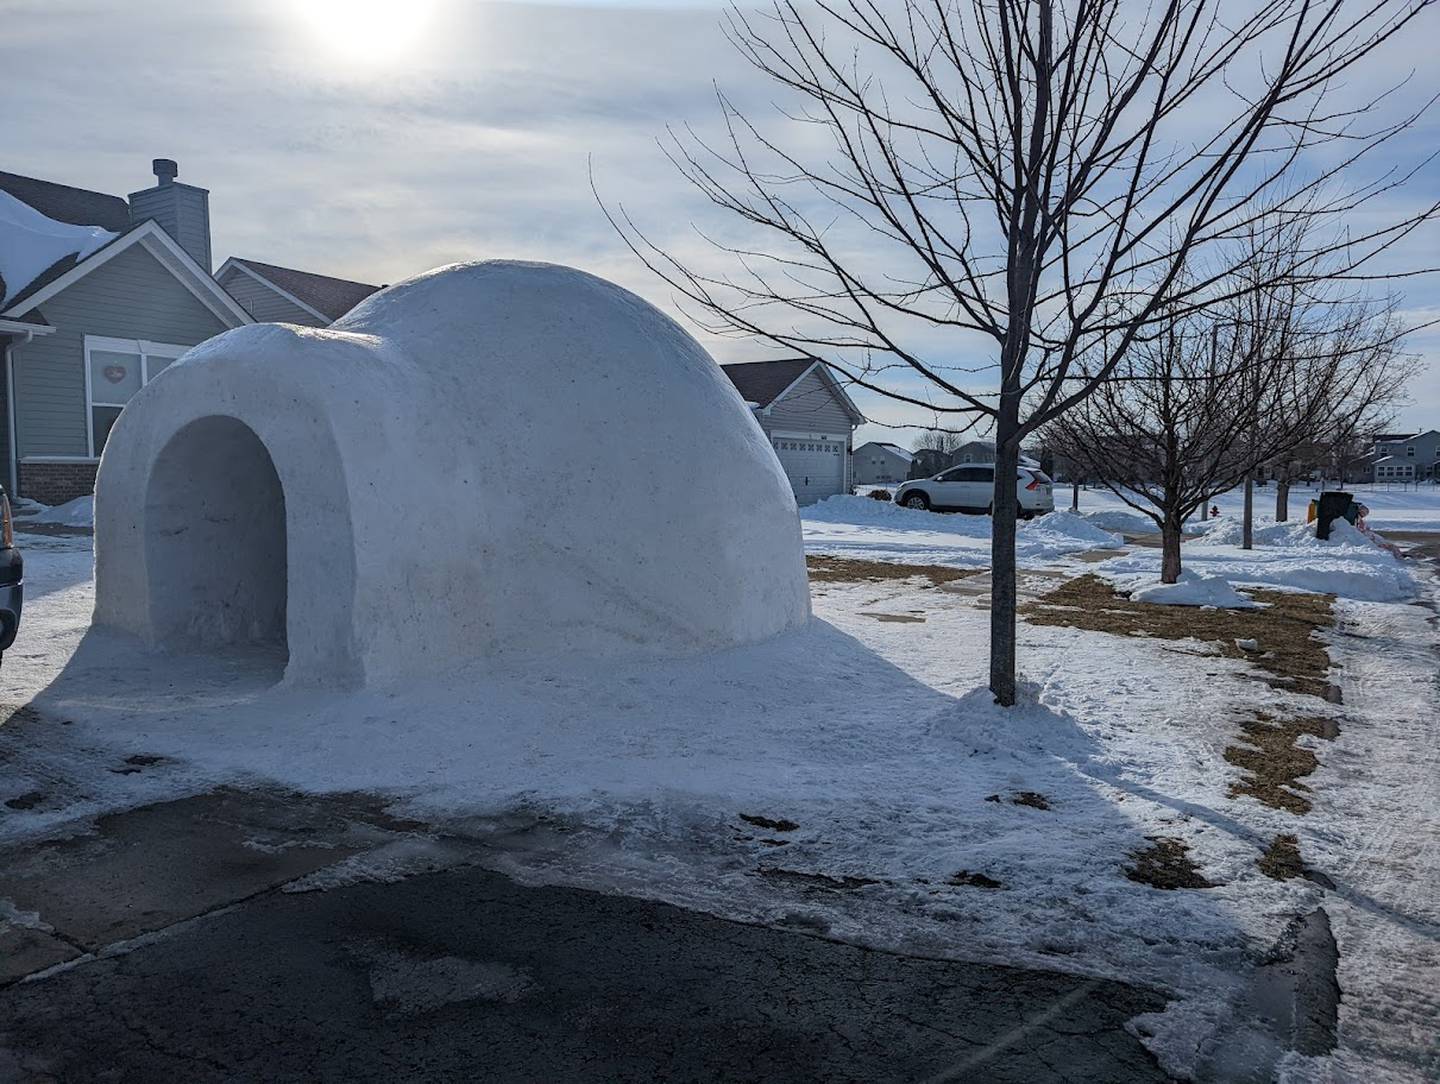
(493, 459)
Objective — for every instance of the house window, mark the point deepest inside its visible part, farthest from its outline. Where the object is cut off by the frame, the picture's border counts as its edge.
(115, 369)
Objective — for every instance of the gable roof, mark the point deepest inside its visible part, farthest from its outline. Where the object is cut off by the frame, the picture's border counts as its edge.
(894, 449)
(763, 382)
(324, 296)
(159, 244)
(77, 206)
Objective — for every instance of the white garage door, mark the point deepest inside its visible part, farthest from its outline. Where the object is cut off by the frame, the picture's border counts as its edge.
(816, 466)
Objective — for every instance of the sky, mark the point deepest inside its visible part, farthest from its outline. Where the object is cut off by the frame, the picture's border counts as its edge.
(374, 139)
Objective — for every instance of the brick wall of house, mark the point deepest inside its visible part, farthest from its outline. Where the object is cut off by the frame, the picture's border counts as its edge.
(56, 483)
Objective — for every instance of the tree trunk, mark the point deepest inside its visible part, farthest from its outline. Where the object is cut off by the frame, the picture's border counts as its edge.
(1074, 496)
(1282, 501)
(1247, 531)
(1170, 547)
(1002, 558)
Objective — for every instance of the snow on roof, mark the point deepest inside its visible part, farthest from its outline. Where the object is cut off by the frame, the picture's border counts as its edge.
(903, 453)
(31, 243)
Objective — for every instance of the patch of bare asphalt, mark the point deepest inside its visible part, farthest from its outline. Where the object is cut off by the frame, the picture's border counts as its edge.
(780, 824)
(1029, 798)
(1285, 630)
(965, 878)
(1167, 864)
(826, 569)
(1274, 764)
(427, 975)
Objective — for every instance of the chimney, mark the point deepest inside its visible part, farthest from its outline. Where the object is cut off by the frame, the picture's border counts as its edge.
(181, 210)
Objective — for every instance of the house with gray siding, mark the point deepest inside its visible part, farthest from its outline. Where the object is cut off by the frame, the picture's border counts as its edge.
(88, 331)
(115, 289)
(274, 294)
(879, 463)
(1407, 457)
(809, 419)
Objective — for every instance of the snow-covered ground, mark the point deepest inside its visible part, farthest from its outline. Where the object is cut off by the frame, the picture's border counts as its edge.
(1392, 507)
(871, 731)
(862, 527)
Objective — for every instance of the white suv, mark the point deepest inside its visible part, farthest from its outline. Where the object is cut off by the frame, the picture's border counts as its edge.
(971, 488)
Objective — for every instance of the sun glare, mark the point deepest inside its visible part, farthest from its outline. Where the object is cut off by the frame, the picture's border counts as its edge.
(367, 31)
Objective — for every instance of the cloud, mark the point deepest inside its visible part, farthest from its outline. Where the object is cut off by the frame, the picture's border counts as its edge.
(474, 142)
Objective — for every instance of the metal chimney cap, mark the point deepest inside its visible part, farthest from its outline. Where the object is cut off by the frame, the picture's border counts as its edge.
(166, 169)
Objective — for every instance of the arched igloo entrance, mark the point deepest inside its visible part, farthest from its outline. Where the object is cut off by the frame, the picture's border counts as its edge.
(215, 539)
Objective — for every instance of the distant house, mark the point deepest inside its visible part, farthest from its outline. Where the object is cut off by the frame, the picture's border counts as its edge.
(809, 419)
(877, 463)
(928, 462)
(98, 295)
(282, 295)
(1407, 457)
(974, 451)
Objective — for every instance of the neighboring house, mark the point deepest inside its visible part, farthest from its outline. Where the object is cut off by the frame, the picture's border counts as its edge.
(98, 294)
(928, 462)
(1407, 457)
(283, 295)
(879, 462)
(974, 451)
(809, 419)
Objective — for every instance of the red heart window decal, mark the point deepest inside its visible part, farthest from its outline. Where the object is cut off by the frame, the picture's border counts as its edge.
(115, 373)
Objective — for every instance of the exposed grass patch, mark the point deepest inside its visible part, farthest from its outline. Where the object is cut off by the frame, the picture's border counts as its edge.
(1284, 631)
(781, 825)
(1281, 859)
(826, 569)
(1274, 764)
(965, 878)
(1166, 864)
(820, 881)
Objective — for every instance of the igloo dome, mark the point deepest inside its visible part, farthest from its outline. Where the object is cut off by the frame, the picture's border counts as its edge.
(490, 459)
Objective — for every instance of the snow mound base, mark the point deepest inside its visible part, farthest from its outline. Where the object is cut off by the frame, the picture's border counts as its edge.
(1120, 520)
(1191, 589)
(1065, 528)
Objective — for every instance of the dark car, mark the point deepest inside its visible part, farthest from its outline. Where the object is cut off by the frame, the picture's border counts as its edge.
(12, 577)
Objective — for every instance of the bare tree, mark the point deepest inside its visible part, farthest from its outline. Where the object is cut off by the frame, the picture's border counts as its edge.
(1023, 181)
(1183, 419)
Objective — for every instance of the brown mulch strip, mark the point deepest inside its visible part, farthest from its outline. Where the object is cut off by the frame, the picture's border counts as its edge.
(1285, 630)
(1281, 859)
(1166, 864)
(1274, 764)
(826, 569)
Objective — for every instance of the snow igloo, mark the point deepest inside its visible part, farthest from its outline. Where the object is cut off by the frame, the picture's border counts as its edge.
(493, 459)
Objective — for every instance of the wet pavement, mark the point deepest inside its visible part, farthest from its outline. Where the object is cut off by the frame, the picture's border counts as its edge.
(248, 935)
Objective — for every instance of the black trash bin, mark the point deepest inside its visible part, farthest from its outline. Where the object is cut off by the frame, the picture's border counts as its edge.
(1333, 505)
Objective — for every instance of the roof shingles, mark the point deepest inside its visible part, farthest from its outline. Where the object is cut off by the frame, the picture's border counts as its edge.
(330, 296)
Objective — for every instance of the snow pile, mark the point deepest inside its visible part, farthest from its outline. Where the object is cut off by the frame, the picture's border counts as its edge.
(77, 513)
(867, 511)
(420, 394)
(1120, 520)
(31, 243)
(1285, 555)
(1191, 589)
(862, 527)
(1229, 531)
(1064, 528)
